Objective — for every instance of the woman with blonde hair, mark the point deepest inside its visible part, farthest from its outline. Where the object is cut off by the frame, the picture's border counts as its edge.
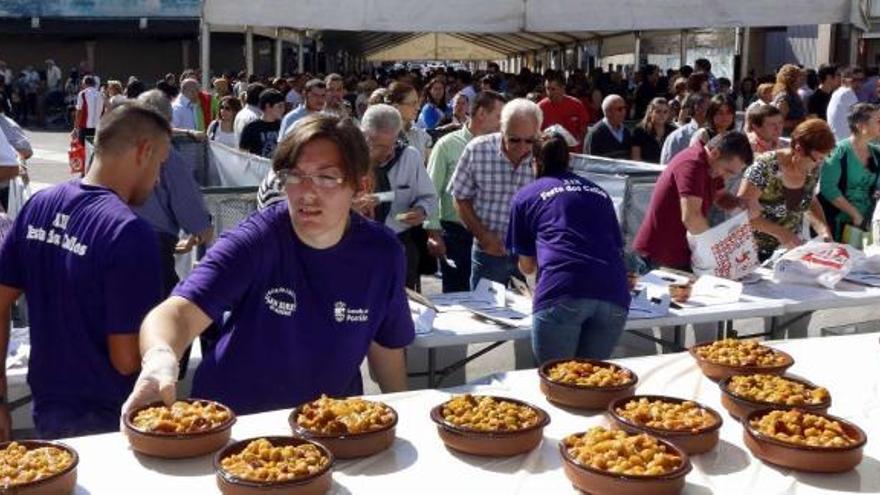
(785, 95)
(651, 132)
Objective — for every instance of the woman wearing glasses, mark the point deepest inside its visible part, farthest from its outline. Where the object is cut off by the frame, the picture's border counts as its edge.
(310, 287)
(780, 188)
(220, 129)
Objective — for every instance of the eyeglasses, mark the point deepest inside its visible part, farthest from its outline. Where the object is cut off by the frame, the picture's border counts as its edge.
(518, 140)
(225, 108)
(322, 181)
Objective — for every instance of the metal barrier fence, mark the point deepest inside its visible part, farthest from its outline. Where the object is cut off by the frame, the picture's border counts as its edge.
(228, 206)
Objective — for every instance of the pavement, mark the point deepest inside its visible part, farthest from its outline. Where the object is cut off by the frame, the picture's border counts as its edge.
(49, 166)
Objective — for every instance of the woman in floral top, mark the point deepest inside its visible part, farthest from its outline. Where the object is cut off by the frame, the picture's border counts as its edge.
(780, 188)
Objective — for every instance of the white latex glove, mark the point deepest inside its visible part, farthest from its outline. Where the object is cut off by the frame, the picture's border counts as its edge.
(157, 381)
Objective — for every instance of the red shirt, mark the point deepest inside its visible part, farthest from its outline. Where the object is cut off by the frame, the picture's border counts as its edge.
(570, 113)
(662, 238)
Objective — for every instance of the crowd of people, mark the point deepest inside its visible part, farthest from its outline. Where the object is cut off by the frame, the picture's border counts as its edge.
(378, 179)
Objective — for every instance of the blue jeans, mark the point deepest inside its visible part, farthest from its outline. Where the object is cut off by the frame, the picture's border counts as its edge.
(495, 268)
(585, 328)
(458, 242)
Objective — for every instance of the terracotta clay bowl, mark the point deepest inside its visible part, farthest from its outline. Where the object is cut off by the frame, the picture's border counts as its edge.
(177, 445)
(62, 483)
(583, 397)
(599, 482)
(351, 445)
(315, 484)
(717, 371)
(691, 442)
(740, 407)
(491, 444)
(804, 457)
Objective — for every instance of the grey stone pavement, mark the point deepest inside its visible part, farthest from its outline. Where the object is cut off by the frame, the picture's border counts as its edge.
(49, 166)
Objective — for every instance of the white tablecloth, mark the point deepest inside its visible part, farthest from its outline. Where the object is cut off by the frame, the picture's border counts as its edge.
(419, 463)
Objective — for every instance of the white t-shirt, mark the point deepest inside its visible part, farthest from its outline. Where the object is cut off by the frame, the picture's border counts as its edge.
(842, 100)
(226, 138)
(247, 115)
(90, 101)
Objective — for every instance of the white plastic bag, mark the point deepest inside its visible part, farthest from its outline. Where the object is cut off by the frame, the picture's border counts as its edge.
(823, 263)
(727, 250)
(19, 193)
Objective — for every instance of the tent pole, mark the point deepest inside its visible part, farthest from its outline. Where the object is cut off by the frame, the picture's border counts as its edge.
(682, 47)
(300, 53)
(637, 51)
(205, 54)
(249, 50)
(279, 47)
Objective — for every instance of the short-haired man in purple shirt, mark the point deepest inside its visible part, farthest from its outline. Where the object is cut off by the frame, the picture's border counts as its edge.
(90, 269)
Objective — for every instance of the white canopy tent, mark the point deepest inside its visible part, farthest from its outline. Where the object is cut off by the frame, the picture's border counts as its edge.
(509, 16)
(435, 46)
(375, 28)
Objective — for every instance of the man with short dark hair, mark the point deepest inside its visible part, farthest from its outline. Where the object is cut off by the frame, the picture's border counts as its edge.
(335, 102)
(90, 269)
(564, 110)
(251, 111)
(89, 108)
(829, 81)
(694, 109)
(842, 100)
(685, 191)
(447, 235)
(314, 100)
(703, 66)
(260, 137)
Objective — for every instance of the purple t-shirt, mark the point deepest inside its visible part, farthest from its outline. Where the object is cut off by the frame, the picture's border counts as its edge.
(568, 224)
(302, 319)
(89, 268)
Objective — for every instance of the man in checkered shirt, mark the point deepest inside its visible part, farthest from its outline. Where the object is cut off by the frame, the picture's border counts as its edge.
(490, 171)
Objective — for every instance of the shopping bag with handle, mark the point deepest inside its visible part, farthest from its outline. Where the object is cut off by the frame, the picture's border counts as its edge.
(727, 250)
(76, 157)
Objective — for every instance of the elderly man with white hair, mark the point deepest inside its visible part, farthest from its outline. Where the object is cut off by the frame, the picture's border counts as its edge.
(491, 170)
(402, 196)
(192, 108)
(609, 137)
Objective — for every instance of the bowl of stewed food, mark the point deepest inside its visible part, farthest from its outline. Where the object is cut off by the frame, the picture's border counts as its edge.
(488, 425)
(350, 428)
(187, 428)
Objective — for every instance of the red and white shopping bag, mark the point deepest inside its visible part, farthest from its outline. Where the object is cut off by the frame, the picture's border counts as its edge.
(823, 263)
(727, 250)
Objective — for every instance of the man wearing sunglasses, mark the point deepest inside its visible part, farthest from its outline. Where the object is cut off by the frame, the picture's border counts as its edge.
(491, 169)
(610, 138)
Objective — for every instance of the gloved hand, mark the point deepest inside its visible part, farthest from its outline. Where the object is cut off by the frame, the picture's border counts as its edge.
(157, 381)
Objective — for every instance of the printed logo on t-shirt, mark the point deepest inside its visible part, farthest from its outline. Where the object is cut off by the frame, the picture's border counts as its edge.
(342, 313)
(573, 186)
(281, 301)
(54, 237)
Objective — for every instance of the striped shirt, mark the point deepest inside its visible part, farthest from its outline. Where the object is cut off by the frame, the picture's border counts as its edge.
(486, 176)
